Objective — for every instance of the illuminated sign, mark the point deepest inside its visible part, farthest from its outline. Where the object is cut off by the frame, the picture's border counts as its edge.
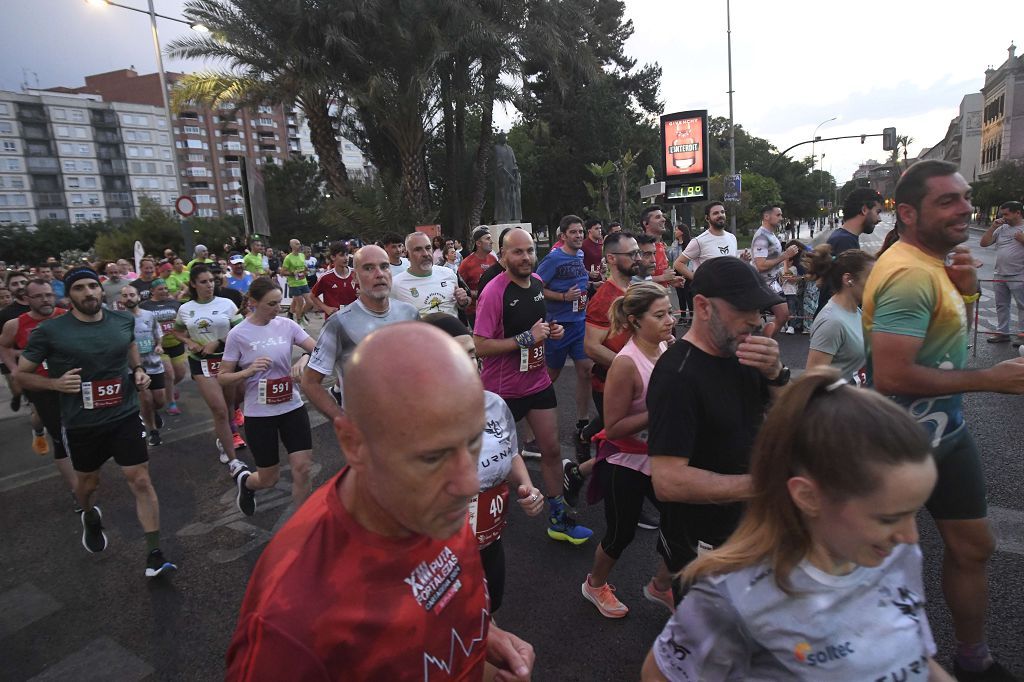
(690, 191)
(684, 141)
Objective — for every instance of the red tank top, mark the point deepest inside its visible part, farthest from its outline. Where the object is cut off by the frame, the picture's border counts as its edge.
(26, 323)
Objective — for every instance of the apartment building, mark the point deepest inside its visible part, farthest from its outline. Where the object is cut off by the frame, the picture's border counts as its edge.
(1002, 124)
(65, 156)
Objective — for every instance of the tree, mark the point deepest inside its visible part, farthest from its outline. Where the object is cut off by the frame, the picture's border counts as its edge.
(1005, 183)
(600, 194)
(33, 245)
(295, 199)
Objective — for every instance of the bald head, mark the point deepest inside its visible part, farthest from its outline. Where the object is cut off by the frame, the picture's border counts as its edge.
(373, 273)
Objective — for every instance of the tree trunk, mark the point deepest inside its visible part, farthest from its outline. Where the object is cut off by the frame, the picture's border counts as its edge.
(414, 183)
(322, 135)
(453, 184)
(481, 168)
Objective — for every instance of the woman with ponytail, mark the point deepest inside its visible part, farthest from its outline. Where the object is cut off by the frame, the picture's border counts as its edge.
(822, 579)
(837, 336)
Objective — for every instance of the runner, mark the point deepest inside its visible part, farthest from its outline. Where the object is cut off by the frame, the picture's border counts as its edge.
(166, 310)
(822, 580)
(338, 286)
(237, 278)
(88, 353)
(499, 468)
(510, 335)
(294, 268)
(472, 267)
(148, 337)
(258, 353)
(112, 286)
(342, 333)
(837, 337)
(394, 245)
(177, 279)
(253, 260)
(623, 469)
(17, 281)
(46, 403)
(382, 552)
(144, 282)
(713, 242)
(202, 257)
(769, 257)
(428, 287)
(202, 325)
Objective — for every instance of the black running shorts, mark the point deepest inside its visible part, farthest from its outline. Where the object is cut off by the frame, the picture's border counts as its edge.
(124, 440)
(959, 494)
(541, 400)
(262, 434)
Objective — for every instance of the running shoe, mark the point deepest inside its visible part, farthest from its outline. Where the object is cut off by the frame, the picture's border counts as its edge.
(223, 455)
(998, 338)
(1017, 342)
(158, 420)
(154, 437)
(562, 527)
(157, 565)
(245, 499)
(572, 482)
(75, 507)
(239, 418)
(173, 409)
(93, 537)
(236, 465)
(236, 440)
(531, 450)
(994, 673)
(663, 597)
(648, 521)
(39, 444)
(604, 599)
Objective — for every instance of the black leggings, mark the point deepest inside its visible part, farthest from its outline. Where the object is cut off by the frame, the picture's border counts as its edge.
(47, 404)
(595, 425)
(493, 558)
(624, 493)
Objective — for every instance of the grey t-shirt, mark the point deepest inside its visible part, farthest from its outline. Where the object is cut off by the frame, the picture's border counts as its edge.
(346, 328)
(112, 292)
(1009, 251)
(867, 625)
(766, 245)
(840, 333)
(148, 337)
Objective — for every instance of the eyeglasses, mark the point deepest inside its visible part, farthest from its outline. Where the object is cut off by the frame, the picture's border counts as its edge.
(631, 254)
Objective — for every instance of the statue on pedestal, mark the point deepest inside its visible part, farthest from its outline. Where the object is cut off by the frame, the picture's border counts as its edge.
(507, 183)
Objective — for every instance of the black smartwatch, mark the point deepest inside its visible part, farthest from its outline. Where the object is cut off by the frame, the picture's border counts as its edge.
(782, 379)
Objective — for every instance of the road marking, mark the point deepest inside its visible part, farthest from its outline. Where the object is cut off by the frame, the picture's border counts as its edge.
(1008, 526)
(100, 660)
(24, 605)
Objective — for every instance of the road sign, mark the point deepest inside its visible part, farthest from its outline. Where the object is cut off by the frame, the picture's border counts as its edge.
(185, 206)
(655, 189)
(733, 187)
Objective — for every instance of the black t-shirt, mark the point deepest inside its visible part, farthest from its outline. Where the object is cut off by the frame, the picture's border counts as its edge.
(707, 409)
(232, 295)
(143, 287)
(842, 239)
(489, 274)
(521, 308)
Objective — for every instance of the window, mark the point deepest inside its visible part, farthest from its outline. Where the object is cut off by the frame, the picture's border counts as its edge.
(168, 169)
(147, 152)
(196, 157)
(14, 164)
(89, 183)
(19, 200)
(96, 215)
(263, 109)
(94, 199)
(60, 114)
(150, 168)
(195, 144)
(79, 217)
(83, 149)
(191, 130)
(72, 182)
(136, 167)
(129, 136)
(133, 152)
(63, 131)
(69, 166)
(10, 146)
(17, 183)
(76, 199)
(4, 109)
(80, 133)
(78, 115)
(6, 127)
(165, 154)
(85, 166)
(164, 138)
(161, 122)
(265, 122)
(144, 136)
(67, 148)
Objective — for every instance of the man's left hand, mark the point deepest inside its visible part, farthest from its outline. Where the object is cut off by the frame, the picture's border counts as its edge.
(461, 297)
(761, 353)
(510, 655)
(141, 379)
(963, 271)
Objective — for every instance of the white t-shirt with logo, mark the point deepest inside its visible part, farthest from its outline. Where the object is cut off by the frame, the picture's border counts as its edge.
(434, 293)
(706, 246)
(206, 322)
(867, 625)
(766, 245)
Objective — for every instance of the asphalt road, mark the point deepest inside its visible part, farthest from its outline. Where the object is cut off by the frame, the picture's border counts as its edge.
(66, 614)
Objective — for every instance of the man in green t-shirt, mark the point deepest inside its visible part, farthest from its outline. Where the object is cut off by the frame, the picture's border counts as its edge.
(93, 361)
(253, 260)
(177, 279)
(294, 268)
(202, 255)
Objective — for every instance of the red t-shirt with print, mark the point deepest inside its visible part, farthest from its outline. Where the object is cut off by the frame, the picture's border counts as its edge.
(597, 315)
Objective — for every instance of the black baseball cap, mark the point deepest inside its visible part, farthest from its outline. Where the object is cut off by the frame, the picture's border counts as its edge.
(732, 280)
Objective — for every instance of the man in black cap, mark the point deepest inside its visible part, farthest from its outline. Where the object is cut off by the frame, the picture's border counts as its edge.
(94, 364)
(706, 400)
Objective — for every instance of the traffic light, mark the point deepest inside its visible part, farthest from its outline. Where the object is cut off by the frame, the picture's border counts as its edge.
(889, 139)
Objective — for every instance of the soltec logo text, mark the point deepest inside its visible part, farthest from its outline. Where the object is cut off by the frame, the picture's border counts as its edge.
(832, 652)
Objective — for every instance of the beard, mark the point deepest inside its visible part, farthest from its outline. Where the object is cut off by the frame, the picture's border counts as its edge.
(89, 306)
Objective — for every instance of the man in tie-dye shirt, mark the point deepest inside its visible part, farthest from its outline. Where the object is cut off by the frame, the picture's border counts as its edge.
(917, 303)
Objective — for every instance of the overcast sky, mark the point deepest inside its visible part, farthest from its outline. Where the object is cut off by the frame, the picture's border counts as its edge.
(796, 63)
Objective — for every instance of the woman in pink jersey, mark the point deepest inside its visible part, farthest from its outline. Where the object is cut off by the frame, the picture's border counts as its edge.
(623, 470)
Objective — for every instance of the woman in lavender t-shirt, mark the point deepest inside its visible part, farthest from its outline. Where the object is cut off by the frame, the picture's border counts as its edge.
(259, 352)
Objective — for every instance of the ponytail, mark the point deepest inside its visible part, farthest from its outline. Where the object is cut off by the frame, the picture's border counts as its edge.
(824, 266)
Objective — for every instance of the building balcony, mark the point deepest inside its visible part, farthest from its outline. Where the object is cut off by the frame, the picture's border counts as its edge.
(30, 114)
(37, 164)
(35, 132)
(120, 199)
(103, 119)
(107, 137)
(38, 150)
(49, 199)
(115, 185)
(115, 167)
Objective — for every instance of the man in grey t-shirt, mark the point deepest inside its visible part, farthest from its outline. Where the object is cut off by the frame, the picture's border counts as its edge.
(346, 328)
(769, 257)
(1007, 233)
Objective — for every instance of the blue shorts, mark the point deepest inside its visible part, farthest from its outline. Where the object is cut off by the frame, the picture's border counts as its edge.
(555, 352)
(299, 291)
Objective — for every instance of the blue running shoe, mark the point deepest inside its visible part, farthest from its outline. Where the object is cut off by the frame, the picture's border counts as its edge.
(561, 526)
(157, 565)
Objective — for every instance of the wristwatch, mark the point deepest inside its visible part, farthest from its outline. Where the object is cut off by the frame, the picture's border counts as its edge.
(782, 379)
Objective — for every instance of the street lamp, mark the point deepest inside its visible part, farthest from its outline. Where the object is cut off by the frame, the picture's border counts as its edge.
(814, 138)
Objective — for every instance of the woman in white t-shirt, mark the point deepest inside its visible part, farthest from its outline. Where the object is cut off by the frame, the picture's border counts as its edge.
(258, 352)
(822, 579)
(202, 325)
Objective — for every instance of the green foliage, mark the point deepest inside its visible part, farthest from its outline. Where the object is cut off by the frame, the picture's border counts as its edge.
(31, 246)
(758, 191)
(372, 210)
(1005, 183)
(295, 199)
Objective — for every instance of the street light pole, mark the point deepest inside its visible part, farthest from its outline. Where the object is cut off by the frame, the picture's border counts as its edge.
(814, 138)
(732, 126)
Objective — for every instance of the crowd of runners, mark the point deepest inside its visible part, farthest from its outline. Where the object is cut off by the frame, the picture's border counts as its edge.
(785, 507)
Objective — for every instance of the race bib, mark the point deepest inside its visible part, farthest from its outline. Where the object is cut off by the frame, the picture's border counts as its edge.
(703, 547)
(210, 367)
(145, 345)
(487, 514)
(579, 304)
(860, 377)
(275, 391)
(97, 395)
(531, 358)
(166, 327)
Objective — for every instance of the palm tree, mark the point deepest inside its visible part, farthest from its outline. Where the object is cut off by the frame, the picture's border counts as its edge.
(275, 51)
